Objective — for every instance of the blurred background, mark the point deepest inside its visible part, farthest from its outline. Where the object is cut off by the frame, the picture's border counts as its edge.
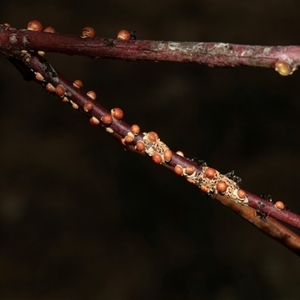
(81, 218)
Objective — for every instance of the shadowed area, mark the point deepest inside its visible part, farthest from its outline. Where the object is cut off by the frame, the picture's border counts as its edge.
(81, 218)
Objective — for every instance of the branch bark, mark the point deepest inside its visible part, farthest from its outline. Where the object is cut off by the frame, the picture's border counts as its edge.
(284, 59)
(21, 46)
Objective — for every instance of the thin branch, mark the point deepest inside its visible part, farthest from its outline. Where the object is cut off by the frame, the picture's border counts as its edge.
(209, 180)
(225, 188)
(285, 59)
(275, 210)
(269, 226)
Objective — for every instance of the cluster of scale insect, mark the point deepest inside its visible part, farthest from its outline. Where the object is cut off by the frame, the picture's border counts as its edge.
(221, 184)
(226, 185)
(154, 146)
(207, 179)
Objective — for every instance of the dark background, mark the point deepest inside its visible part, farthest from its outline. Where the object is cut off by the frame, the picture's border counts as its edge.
(80, 218)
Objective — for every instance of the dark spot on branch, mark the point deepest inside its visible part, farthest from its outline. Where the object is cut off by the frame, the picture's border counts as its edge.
(109, 42)
(50, 70)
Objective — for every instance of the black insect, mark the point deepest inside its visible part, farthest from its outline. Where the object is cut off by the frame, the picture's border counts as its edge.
(259, 213)
(261, 205)
(234, 177)
(199, 162)
(132, 34)
(267, 197)
(211, 194)
(50, 70)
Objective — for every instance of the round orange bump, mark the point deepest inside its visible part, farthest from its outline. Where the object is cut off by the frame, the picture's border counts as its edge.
(107, 119)
(168, 155)
(156, 157)
(78, 83)
(117, 113)
(6, 24)
(92, 95)
(50, 88)
(135, 129)
(41, 53)
(124, 35)
(152, 136)
(88, 106)
(279, 205)
(49, 29)
(140, 146)
(65, 99)
(180, 153)
(241, 193)
(283, 68)
(204, 189)
(178, 170)
(221, 186)
(210, 173)
(88, 32)
(60, 90)
(129, 137)
(39, 76)
(35, 25)
(189, 170)
(94, 121)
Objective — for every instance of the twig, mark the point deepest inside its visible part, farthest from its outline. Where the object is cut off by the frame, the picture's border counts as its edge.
(285, 59)
(207, 179)
(225, 188)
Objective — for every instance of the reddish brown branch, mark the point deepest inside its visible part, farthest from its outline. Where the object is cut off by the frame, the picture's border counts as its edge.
(202, 176)
(270, 227)
(285, 59)
(269, 209)
(259, 212)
